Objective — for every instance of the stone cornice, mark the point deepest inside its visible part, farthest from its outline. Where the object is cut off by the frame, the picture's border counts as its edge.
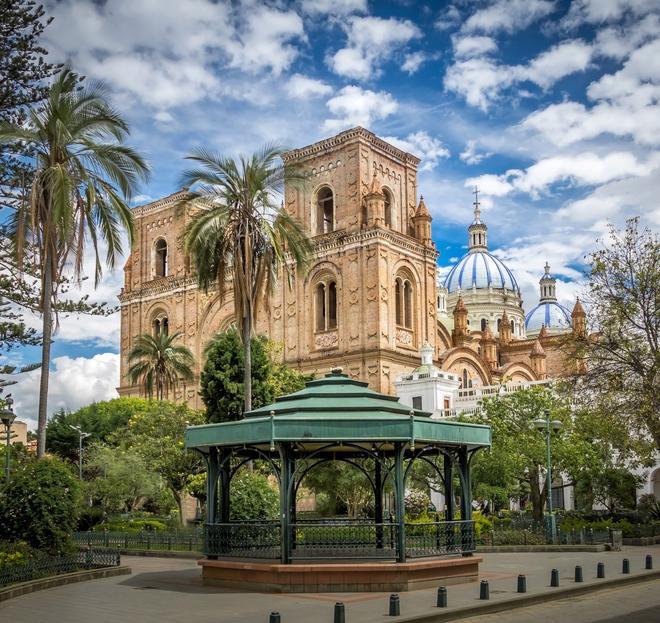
(354, 134)
(164, 285)
(163, 202)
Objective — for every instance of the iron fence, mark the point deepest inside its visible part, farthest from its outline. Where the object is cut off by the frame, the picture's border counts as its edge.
(438, 538)
(243, 540)
(185, 540)
(43, 566)
(345, 539)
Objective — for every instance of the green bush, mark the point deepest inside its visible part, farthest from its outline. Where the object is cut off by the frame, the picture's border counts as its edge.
(14, 554)
(252, 497)
(481, 524)
(40, 505)
(131, 525)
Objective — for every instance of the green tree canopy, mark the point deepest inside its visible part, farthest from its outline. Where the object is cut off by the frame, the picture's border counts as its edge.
(157, 435)
(40, 504)
(104, 421)
(221, 383)
(622, 373)
(517, 459)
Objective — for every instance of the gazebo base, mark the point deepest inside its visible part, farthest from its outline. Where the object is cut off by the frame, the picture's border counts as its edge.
(345, 577)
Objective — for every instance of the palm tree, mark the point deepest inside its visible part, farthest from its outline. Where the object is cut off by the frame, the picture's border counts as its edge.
(241, 232)
(159, 361)
(84, 177)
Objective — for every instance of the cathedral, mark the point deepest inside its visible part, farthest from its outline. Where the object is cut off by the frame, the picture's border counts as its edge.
(371, 300)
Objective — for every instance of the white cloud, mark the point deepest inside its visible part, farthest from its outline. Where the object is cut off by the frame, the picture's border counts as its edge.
(583, 169)
(626, 104)
(481, 80)
(302, 87)
(353, 106)
(619, 40)
(468, 47)
(334, 7)
(74, 383)
(371, 41)
(420, 144)
(470, 155)
(602, 11)
(413, 62)
(508, 16)
(166, 52)
(449, 18)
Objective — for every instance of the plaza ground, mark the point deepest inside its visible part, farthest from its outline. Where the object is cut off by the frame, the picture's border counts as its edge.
(170, 590)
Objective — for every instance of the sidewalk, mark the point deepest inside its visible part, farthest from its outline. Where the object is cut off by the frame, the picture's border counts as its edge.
(170, 590)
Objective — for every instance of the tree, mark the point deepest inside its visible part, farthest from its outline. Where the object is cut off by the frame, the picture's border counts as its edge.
(161, 362)
(240, 233)
(104, 421)
(84, 176)
(157, 435)
(252, 497)
(623, 359)
(517, 458)
(119, 479)
(221, 381)
(40, 505)
(614, 488)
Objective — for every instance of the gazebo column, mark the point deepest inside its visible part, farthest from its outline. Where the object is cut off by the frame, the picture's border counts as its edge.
(286, 488)
(292, 500)
(378, 503)
(399, 501)
(466, 501)
(225, 477)
(211, 541)
(449, 487)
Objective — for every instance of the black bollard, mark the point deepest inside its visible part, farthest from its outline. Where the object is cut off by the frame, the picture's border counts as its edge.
(578, 574)
(484, 590)
(522, 584)
(274, 617)
(626, 566)
(600, 570)
(554, 577)
(395, 606)
(340, 615)
(649, 562)
(442, 597)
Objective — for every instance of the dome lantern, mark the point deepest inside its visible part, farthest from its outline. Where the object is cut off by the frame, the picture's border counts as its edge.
(477, 231)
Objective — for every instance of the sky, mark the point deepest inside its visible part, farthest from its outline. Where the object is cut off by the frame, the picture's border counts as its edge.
(550, 107)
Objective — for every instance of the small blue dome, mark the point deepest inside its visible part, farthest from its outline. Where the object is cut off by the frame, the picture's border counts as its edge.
(480, 269)
(551, 314)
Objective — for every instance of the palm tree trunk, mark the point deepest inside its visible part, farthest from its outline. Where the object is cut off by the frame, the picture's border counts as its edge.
(45, 355)
(247, 360)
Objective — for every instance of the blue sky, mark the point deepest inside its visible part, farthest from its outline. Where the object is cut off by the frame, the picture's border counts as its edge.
(550, 107)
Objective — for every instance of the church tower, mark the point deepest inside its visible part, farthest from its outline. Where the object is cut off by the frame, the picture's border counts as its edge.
(368, 300)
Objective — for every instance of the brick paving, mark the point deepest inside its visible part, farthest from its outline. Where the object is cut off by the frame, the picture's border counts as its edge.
(170, 590)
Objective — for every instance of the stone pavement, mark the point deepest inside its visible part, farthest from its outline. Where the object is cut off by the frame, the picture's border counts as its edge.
(170, 590)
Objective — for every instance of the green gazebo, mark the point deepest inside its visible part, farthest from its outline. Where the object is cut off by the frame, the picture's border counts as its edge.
(336, 419)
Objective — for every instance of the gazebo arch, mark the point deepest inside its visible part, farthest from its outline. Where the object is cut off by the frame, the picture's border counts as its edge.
(337, 418)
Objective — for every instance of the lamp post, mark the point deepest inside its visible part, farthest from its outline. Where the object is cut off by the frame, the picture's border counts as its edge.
(547, 427)
(7, 416)
(81, 436)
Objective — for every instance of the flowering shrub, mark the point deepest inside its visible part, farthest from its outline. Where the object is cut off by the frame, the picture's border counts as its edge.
(417, 503)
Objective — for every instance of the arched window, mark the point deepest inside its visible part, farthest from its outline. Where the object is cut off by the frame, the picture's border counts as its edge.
(325, 211)
(499, 324)
(403, 304)
(464, 381)
(161, 325)
(513, 327)
(161, 258)
(483, 324)
(326, 306)
(389, 205)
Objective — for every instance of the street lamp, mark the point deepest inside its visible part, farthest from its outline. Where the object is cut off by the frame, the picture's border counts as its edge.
(81, 436)
(547, 427)
(8, 416)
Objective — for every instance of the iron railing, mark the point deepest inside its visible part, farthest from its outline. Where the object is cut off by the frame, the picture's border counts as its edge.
(243, 540)
(439, 538)
(44, 566)
(184, 540)
(345, 539)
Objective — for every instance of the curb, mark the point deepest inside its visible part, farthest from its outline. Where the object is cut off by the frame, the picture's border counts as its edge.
(530, 549)
(25, 588)
(529, 600)
(148, 553)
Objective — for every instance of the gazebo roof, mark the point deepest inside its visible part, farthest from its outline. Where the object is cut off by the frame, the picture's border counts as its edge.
(336, 409)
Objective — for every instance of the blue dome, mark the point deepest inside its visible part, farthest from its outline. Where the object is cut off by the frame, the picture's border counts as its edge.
(480, 269)
(551, 314)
